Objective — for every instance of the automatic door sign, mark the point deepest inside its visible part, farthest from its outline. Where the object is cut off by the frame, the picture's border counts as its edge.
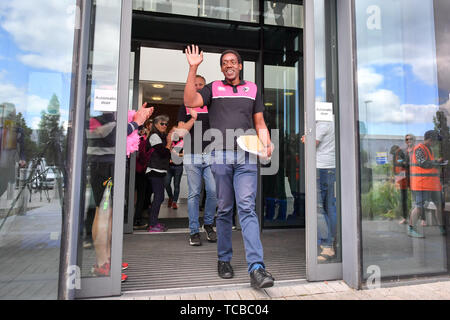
(105, 100)
(324, 111)
(381, 157)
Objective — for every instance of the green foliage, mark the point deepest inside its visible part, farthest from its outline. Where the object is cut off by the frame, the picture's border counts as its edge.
(30, 147)
(383, 169)
(50, 132)
(383, 201)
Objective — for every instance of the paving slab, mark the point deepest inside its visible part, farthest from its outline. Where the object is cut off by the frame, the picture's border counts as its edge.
(246, 294)
(202, 296)
(232, 295)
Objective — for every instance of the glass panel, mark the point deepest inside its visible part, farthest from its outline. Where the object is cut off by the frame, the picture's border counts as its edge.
(101, 108)
(404, 136)
(327, 149)
(283, 14)
(35, 81)
(283, 192)
(236, 10)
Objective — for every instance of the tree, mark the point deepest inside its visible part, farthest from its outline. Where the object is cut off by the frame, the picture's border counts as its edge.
(51, 133)
(30, 147)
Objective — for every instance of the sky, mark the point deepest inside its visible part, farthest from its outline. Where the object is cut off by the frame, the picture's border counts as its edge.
(397, 71)
(36, 55)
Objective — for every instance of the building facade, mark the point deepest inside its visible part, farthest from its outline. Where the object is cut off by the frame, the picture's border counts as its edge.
(351, 88)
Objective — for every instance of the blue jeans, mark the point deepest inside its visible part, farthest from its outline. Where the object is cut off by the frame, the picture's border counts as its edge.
(326, 204)
(237, 179)
(175, 172)
(198, 167)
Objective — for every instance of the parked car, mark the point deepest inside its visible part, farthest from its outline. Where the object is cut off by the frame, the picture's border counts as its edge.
(46, 178)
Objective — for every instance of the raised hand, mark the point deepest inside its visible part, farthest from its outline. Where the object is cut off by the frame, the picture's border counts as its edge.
(143, 114)
(193, 56)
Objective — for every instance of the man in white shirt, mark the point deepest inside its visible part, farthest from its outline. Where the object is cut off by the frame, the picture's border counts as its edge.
(326, 179)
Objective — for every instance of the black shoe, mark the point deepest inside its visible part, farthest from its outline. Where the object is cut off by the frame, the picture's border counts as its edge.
(225, 270)
(194, 240)
(260, 278)
(211, 235)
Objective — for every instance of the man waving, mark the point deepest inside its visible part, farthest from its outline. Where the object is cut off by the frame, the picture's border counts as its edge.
(234, 106)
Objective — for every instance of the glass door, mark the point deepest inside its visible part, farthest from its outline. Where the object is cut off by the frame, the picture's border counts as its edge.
(104, 129)
(321, 141)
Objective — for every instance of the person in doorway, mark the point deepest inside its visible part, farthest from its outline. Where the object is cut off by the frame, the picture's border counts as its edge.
(174, 173)
(326, 199)
(143, 189)
(157, 169)
(233, 104)
(425, 182)
(101, 137)
(198, 168)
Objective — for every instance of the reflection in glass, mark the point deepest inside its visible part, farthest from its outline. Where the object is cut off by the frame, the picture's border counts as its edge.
(283, 193)
(283, 14)
(35, 81)
(235, 10)
(328, 213)
(100, 141)
(404, 144)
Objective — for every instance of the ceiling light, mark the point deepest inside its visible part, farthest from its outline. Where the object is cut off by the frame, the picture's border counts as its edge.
(157, 98)
(268, 104)
(158, 85)
(289, 93)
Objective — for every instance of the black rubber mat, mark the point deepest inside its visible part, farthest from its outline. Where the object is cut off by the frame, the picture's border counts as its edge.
(163, 261)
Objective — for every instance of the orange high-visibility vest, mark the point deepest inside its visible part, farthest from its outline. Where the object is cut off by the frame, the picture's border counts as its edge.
(422, 179)
(400, 172)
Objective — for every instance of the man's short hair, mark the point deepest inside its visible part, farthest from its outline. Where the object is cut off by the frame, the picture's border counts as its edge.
(433, 135)
(238, 56)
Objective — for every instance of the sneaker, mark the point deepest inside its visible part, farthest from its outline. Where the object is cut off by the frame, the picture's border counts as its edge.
(211, 235)
(194, 239)
(442, 230)
(225, 270)
(413, 233)
(87, 244)
(141, 227)
(161, 226)
(260, 278)
(327, 252)
(102, 270)
(174, 205)
(155, 229)
(124, 277)
(169, 203)
(124, 266)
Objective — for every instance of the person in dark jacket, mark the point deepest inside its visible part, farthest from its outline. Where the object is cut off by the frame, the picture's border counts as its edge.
(158, 166)
(143, 189)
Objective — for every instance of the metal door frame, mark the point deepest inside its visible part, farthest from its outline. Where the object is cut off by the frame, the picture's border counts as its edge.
(111, 286)
(314, 270)
(128, 227)
(349, 269)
